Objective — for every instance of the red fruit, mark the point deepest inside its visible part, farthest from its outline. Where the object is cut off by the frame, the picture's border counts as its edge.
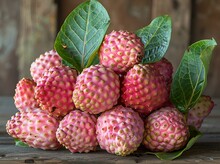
(36, 128)
(120, 130)
(144, 89)
(166, 130)
(200, 111)
(97, 89)
(121, 50)
(165, 68)
(77, 132)
(43, 63)
(55, 89)
(24, 97)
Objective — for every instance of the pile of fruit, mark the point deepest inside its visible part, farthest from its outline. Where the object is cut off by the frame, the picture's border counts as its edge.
(115, 90)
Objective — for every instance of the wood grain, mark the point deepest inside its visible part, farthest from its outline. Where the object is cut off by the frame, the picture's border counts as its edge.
(202, 152)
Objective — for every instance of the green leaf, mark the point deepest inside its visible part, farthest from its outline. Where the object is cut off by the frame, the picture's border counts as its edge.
(20, 143)
(202, 48)
(82, 33)
(194, 136)
(188, 83)
(190, 78)
(94, 60)
(156, 38)
(64, 62)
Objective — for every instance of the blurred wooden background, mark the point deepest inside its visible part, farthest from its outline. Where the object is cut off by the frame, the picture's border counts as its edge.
(29, 27)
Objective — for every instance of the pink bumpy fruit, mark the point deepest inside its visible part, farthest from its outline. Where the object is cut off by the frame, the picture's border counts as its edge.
(36, 128)
(54, 90)
(97, 89)
(166, 130)
(43, 63)
(120, 130)
(165, 68)
(121, 50)
(200, 111)
(77, 132)
(144, 89)
(24, 98)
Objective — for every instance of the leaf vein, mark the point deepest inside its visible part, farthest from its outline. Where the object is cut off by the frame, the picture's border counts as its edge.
(70, 41)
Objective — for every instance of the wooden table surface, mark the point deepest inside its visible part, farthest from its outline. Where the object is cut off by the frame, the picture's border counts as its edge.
(206, 150)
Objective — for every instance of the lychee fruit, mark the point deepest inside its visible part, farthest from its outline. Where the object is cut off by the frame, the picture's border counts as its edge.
(55, 89)
(24, 98)
(166, 130)
(144, 89)
(165, 68)
(97, 89)
(200, 111)
(36, 128)
(120, 130)
(77, 132)
(121, 50)
(43, 63)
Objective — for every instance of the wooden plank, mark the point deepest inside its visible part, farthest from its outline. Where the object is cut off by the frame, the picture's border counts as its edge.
(205, 25)
(201, 152)
(37, 32)
(9, 32)
(180, 12)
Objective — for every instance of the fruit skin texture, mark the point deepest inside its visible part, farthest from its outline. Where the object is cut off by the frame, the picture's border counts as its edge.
(54, 90)
(43, 63)
(200, 111)
(165, 68)
(36, 128)
(144, 89)
(120, 130)
(166, 130)
(121, 50)
(24, 98)
(97, 89)
(77, 132)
